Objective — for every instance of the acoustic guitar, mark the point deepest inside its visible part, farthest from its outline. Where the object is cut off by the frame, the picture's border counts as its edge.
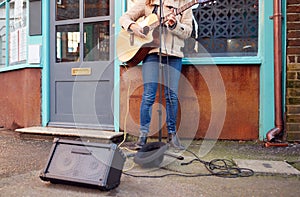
(132, 49)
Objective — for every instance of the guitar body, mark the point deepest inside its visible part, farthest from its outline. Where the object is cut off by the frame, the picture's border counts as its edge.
(132, 49)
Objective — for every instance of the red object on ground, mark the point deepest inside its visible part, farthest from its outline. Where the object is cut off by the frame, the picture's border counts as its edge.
(279, 144)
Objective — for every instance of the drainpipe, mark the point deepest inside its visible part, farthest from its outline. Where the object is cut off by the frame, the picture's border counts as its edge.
(277, 131)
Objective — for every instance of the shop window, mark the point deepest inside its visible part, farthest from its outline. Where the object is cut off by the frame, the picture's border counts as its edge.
(225, 28)
(2, 36)
(17, 31)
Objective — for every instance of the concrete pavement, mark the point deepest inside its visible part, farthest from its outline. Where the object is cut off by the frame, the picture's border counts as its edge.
(22, 159)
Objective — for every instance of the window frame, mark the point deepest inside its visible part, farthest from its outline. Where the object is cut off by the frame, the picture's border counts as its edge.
(21, 64)
(240, 60)
(224, 60)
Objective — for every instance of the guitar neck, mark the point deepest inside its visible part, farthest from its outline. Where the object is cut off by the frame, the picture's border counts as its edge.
(185, 7)
(179, 11)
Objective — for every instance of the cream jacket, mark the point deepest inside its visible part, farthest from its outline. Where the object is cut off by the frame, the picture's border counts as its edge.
(172, 39)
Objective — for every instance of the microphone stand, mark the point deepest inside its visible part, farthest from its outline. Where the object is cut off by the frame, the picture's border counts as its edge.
(160, 74)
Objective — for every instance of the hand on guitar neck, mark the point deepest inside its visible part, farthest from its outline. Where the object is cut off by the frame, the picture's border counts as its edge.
(171, 19)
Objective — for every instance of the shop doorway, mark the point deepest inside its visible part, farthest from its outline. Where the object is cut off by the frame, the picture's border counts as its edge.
(82, 63)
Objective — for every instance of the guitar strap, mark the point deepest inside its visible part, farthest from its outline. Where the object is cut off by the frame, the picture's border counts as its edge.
(155, 9)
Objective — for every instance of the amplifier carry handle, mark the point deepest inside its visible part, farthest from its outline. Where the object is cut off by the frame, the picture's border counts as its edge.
(82, 151)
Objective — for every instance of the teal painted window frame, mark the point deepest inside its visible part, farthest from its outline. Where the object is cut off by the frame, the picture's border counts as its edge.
(121, 8)
(44, 39)
(17, 66)
(264, 58)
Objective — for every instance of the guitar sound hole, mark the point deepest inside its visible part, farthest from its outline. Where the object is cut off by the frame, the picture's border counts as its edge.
(146, 30)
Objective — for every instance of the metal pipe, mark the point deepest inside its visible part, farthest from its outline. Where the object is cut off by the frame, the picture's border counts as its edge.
(277, 22)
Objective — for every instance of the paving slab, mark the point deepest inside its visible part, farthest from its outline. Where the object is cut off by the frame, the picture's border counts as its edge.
(267, 167)
(74, 132)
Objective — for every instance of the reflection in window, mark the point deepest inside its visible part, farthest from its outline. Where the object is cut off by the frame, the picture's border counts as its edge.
(67, 43)
(226, 28)
(2, 36)
(93, 8)
(67, 9)
(96, 41)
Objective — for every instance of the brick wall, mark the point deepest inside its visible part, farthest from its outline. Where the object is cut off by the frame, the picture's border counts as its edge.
(20, 98)
(293, 70)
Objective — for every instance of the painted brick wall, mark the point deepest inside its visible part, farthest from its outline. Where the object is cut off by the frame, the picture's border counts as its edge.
(293, 71)
(196, 114)
(20, 98)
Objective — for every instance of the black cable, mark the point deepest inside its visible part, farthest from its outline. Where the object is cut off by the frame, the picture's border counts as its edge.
(222, 167)
(165, 175)
(217, 167)
(292, 162)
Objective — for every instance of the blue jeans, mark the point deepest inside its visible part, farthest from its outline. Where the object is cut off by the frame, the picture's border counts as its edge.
(171, 74)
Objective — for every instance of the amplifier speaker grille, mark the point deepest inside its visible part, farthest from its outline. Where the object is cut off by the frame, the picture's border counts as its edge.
(84, 164)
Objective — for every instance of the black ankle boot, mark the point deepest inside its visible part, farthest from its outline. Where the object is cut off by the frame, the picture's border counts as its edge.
(141, 141)
(174, 141)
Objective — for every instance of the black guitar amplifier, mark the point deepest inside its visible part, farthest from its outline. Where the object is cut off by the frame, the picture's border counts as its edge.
(84, 164)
